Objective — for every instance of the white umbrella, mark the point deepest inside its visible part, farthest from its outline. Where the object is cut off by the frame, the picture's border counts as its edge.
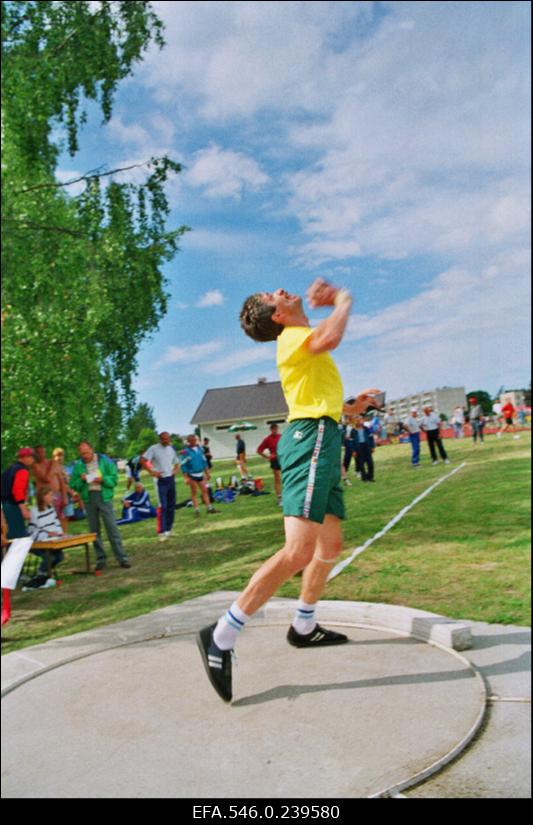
(239, 426)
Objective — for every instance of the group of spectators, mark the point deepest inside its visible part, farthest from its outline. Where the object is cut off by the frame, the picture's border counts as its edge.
(88, 489)
(91, 485)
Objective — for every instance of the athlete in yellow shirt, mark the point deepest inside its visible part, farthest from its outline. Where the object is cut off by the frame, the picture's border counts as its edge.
(309, 453)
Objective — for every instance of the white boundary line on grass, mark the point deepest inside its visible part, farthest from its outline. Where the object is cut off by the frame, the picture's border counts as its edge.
(345, 562)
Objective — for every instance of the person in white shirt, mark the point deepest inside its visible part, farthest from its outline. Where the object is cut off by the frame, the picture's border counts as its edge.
(458, 421)
(162, 463)
(431, 425)
(412, 425)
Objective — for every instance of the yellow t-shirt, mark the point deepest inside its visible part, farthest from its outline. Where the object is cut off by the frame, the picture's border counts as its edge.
(311, 383)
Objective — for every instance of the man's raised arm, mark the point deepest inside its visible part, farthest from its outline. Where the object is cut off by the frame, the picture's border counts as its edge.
(328, 334)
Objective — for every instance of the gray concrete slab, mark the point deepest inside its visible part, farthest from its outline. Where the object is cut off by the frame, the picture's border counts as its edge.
(498, 762)
(127, 711)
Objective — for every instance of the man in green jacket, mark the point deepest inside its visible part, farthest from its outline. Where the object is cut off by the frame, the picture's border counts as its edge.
(95, 478)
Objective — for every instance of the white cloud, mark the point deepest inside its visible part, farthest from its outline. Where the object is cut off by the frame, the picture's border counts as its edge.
(467, 326)
(224, 173)
(232, 361)
(237, 58)
(128, 134)
(190, 354)
(212, 298)
(218, 357)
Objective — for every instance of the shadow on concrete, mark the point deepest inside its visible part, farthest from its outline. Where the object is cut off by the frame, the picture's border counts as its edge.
(520, 664)
(294, 691)
(500, 639)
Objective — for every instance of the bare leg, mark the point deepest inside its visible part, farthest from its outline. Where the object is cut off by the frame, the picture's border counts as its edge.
(327, 550)
(193, 487)
(300, 541)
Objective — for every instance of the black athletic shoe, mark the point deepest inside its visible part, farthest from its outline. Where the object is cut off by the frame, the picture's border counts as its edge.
(125, 563)
(319, 636)
(217, 662)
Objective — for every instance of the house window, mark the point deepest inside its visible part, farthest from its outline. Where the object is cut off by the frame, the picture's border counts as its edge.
(222, 426)
(277, 421)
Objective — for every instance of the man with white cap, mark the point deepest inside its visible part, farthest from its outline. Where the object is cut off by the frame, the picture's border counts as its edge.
(431, 425)
(412, 425)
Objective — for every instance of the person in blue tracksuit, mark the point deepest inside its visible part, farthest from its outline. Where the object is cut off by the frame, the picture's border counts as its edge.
(137, 506)
(195, 469)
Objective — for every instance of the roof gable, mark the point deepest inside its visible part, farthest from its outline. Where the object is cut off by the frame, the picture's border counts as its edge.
(237, 403)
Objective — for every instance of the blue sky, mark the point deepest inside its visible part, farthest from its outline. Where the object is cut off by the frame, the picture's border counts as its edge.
(384, 146)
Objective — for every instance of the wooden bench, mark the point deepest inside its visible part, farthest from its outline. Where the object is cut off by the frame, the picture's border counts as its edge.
(84, 539)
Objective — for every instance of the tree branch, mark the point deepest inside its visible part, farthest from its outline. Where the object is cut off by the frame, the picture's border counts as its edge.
(31, 225)
(87, 176)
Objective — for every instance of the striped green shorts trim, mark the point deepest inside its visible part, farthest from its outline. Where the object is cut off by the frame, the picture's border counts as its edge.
(309, 453)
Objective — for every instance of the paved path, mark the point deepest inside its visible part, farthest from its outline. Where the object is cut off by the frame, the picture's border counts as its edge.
(127, 711)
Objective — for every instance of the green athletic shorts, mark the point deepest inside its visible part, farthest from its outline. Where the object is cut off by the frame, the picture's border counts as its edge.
(309, 452)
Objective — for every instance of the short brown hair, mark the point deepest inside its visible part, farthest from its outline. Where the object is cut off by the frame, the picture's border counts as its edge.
(256, 319)
(41, 493)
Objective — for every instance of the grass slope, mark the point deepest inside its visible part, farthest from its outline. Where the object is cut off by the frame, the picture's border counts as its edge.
(464, 551)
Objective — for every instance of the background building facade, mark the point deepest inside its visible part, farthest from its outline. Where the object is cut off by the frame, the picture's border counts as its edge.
(443, 400)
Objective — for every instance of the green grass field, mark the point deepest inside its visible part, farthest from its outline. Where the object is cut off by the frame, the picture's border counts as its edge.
(464, 551)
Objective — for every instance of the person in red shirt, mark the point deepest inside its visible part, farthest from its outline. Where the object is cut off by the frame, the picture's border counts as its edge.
(508, 412)
(270, 443)
(15, 484)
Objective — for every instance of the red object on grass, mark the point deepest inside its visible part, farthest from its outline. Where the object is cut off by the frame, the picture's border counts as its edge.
(6, 605)
(158, 511)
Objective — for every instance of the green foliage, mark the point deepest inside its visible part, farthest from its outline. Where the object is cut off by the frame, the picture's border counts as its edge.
(144, 440)
(142, 418)
(82, 281)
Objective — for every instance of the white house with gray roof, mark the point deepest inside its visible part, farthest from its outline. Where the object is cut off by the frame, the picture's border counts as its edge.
(261, 404)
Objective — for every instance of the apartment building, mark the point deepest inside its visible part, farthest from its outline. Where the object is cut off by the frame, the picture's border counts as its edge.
(442, 399)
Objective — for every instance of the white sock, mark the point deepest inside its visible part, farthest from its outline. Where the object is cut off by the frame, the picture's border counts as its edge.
(229, 626)
(304, 620)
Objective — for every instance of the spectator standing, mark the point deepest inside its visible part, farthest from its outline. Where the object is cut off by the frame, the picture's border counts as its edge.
(48, 473)
(162, 463)
(412, 425)
(133, 470)
(95, 477)
(270, 443)
(375, 426)
(195, 472)
(58, 455)
(363, 446)
(241, 457)
(44, 525)
(458, 421)
(391, 425)
(15, 486)
(207, 453)
(346, 430)
(431, 424)
(477, 419)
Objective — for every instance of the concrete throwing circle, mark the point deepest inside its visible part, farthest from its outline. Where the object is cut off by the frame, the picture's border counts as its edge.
(143, 721)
